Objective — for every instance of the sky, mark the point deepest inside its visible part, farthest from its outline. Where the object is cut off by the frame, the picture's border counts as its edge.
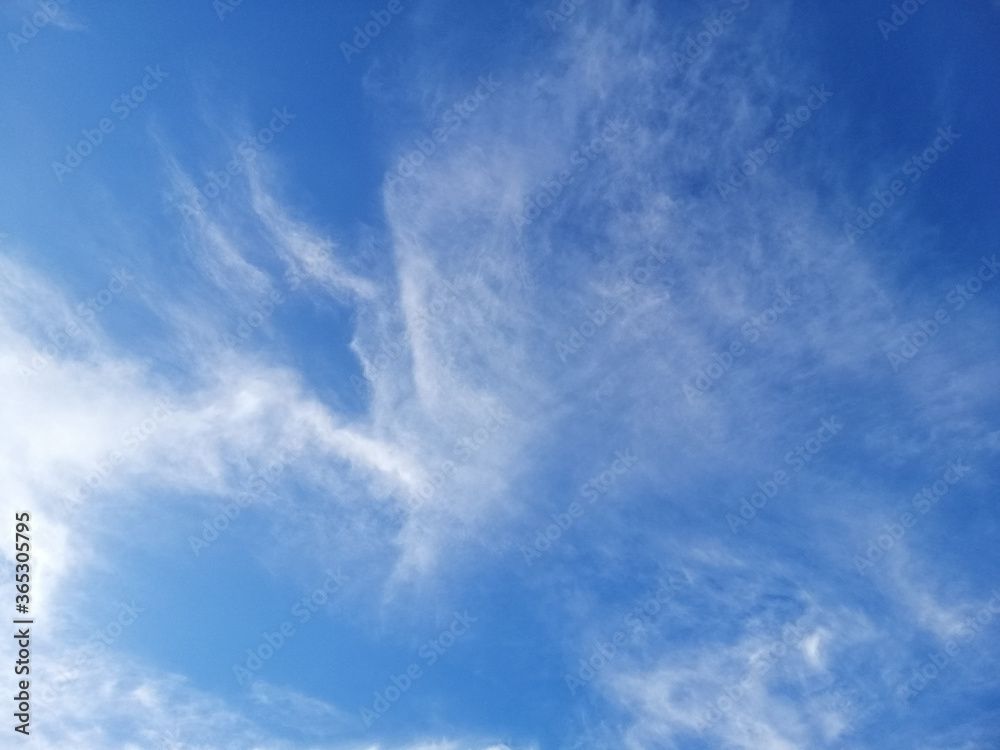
(438, 375)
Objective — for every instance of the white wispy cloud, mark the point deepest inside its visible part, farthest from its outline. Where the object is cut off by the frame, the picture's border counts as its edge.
(460, 325)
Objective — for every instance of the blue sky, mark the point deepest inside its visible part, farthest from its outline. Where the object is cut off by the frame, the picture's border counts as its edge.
(518, 377)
